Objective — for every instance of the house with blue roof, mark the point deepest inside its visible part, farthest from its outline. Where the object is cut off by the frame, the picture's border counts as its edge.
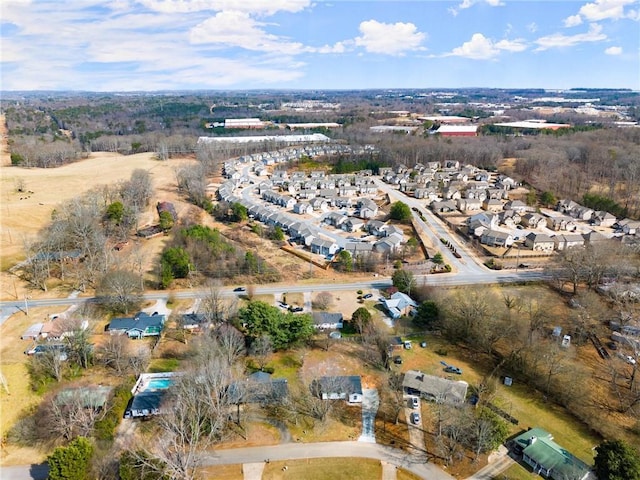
(139, 326)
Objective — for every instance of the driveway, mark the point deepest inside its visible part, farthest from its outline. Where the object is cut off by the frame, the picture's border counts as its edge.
(370, 403)
(416, 433)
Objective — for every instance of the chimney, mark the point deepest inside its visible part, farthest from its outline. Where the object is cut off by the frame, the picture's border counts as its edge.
(532, 440)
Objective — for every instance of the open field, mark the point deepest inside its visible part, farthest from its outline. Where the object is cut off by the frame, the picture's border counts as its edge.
(24, 214)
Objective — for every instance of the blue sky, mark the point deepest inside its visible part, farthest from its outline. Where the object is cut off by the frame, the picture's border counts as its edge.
(130, 45)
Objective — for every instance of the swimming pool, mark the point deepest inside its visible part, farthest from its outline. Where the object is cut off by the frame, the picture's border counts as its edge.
(159, 384)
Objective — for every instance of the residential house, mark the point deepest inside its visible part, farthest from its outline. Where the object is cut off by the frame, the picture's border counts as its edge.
(303, 208)
(336, 219)
(193, 321)
(603, 219)
(342, 202)
(61, 327)
(539, 242)
(492, 205)
(566, 206)
(368, 208)
(148, 393)
(497, 194)
(516, 205)
(358, 248)
(437, 389)
(594, 237)
(323, 247)
(505, 183)
(95, 397)
(259, 388)
(564, 242)
(326, 320)
(390, 230)
(582, 213)
(496, 238)
(547, 458)
(534, 220)
(469, 204)
(478, 223)
(347, 388)
(399, 304)
(319, 204)
(376, 227)
(388, 244)
(141, 325)
(563, 222)
(353, 224)
(451, 193)
(630, 227)
(509, 218)
(443, 207)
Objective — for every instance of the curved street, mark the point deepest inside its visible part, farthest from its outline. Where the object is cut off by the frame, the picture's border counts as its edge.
(297, 451)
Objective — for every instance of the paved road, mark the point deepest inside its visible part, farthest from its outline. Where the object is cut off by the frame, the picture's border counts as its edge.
(296, 451)
(25, 472)
(442, 279)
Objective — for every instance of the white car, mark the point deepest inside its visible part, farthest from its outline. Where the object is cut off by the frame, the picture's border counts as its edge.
(628, 358)
(415, 402)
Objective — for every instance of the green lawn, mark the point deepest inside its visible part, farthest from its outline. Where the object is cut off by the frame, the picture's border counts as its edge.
(324, 469)
(286, 365)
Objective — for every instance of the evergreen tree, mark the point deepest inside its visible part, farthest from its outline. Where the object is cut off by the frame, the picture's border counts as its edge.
(71, 462)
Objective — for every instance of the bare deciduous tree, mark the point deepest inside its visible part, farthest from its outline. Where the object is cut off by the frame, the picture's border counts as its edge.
(261, 349)
(231, 343)
(119, 291)
(70, 416)
(323, 301)
(213, 304)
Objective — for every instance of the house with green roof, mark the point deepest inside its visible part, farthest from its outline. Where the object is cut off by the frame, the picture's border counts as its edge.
(547, 458)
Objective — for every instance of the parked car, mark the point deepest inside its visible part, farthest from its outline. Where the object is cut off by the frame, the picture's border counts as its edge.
(397, 360)
(283, 305)
(368, 295)
(612, 345)
(452, 369)
(415, 402)
(415, 418)
(239, 289)
(296, 309)
(423, 344)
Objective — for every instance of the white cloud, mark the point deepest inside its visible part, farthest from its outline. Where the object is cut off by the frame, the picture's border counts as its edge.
(558, 40)
(469, 3)
(389, 38)
(238, 29)
(602, 10)
(483, 48)
(573, 21)
(613, 51)
(258, 7)
(517, 45)
(532, 27)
